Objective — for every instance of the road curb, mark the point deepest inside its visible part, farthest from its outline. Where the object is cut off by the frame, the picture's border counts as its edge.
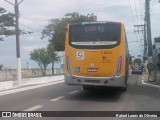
(149, 84)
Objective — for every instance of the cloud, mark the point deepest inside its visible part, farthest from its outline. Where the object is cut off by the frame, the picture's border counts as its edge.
(35, 13)
(28, 49)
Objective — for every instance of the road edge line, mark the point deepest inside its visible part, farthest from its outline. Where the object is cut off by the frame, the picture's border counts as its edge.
(57, 98)
(33, 108)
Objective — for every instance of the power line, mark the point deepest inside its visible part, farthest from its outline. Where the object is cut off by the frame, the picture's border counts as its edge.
(136, 11)
(31, 28)
(153, 3)
(133, 46)
(9, 2)
(20, 2)
(141, 10)
(131, 12)
(132, 16)
(34, 22)
(36, 19)
(132, 41)
(136, 15)
(135, 50)
(156, 19)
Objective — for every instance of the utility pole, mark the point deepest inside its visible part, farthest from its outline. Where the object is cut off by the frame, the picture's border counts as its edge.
(149, 39)
(16, 8)
(27, 65)
(145, 43)
(150, 65)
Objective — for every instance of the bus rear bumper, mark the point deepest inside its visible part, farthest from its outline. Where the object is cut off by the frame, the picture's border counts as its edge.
(114, 81)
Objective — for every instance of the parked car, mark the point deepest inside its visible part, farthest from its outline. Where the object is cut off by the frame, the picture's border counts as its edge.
(137, 69)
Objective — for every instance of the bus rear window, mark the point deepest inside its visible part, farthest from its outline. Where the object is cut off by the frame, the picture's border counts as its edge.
(95, 34)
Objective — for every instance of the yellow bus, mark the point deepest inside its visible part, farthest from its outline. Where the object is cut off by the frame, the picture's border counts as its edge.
(96, 54)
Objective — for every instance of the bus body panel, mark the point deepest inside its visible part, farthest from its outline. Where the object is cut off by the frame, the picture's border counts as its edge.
(95, 66)
(118, 81)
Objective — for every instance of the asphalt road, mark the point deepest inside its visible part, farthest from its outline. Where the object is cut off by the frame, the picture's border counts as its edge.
(60, 97)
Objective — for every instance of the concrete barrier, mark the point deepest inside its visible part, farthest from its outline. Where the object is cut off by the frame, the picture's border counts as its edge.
(30, 81)
(6, 85)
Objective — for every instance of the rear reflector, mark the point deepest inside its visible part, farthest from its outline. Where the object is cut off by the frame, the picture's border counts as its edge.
(68, 63)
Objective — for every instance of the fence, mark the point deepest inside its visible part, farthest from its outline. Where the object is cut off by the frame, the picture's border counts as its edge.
(10, 74)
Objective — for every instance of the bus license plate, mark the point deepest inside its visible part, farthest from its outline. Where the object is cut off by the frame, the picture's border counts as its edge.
(92, 69)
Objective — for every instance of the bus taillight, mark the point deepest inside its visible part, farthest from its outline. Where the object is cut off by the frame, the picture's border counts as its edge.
(119, 67)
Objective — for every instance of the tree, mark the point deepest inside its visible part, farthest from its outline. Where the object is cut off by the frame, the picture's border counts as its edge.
(53, 55)
(130, 58)
(6, 23)
(42, 58)
(137, 60)
(55, 30)
(1, 66)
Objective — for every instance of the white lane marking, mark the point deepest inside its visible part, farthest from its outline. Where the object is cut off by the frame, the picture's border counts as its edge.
(73, 92)
(28, 88)
(58, 98)
(150, 84)
(33, 108)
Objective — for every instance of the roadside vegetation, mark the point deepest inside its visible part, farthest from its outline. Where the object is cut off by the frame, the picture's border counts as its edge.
(55, 33)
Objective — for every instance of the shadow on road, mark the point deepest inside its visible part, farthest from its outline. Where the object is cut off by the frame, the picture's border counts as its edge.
(98, 94)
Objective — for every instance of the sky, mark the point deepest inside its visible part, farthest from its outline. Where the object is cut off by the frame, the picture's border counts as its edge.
(34, 16)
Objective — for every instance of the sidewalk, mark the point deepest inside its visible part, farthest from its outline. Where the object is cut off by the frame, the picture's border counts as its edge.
(157, 82)
(8, 85)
